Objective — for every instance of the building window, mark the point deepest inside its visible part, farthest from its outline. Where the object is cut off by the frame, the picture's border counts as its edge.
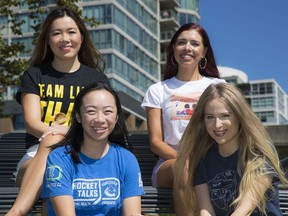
(187, 18)
(190, 5)
(267, 117)
(269, 88)
(261, 103)
(263, 88)
(3, 25)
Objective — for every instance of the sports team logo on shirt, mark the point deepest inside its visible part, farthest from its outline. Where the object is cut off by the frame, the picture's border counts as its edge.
(53, 173)
(92, 191)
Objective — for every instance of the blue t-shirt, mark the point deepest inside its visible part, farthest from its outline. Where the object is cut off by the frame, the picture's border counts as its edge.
(97, 186)
(220, 174)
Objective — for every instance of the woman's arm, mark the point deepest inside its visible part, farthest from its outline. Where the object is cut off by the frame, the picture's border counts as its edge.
(132, 206)
(32, 117)
(155, 130)
(246, 206)
(32, 114)
(63, 205)
(32, 181)
(203, 200)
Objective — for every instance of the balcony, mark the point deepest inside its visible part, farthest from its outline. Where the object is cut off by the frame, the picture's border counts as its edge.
(169, 20)
(168, 4)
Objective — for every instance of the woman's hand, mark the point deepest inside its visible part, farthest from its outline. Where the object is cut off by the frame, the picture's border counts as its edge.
(246, 206)
(54, 130)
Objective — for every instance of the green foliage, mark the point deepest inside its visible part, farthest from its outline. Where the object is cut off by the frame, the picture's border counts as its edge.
(10, 65)
(10, 62)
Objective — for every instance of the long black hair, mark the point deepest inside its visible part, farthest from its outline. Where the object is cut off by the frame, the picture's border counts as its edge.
(74, 136)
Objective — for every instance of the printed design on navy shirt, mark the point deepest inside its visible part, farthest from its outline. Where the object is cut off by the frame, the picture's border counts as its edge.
(182, 107)
(223, 189)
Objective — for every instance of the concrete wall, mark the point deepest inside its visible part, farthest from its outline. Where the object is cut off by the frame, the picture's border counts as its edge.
(279, 134)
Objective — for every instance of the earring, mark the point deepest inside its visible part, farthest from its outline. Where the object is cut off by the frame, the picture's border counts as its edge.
(172, 60)
(205, 63)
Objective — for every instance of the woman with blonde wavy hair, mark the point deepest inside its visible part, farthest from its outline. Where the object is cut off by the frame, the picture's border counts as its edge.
(233, 167)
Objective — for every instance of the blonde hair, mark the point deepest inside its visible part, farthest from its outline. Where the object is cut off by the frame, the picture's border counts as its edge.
(255, 152)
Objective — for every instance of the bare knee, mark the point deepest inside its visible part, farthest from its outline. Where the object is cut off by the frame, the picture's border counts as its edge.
(165, 176)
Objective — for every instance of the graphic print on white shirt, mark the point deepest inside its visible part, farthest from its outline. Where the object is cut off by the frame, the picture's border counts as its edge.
(182, 107)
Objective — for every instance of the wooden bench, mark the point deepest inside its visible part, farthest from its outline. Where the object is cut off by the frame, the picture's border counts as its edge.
(12, 147)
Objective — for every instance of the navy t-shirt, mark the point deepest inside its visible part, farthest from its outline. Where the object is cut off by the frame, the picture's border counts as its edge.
(220, 173)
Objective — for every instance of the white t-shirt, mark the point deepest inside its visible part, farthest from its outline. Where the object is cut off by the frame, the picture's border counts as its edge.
(177, 100)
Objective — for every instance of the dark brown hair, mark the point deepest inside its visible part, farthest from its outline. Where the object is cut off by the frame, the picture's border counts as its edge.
(88, 54)
(209, 71)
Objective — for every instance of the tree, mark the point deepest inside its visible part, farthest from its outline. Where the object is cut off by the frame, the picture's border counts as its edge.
(11, 63)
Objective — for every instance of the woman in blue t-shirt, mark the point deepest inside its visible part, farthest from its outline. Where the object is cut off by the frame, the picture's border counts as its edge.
(233, 167)
(91, 171)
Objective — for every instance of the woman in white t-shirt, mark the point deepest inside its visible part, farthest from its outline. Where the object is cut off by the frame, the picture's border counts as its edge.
(169, 104)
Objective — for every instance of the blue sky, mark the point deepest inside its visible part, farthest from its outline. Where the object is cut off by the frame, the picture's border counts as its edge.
(249, 35)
